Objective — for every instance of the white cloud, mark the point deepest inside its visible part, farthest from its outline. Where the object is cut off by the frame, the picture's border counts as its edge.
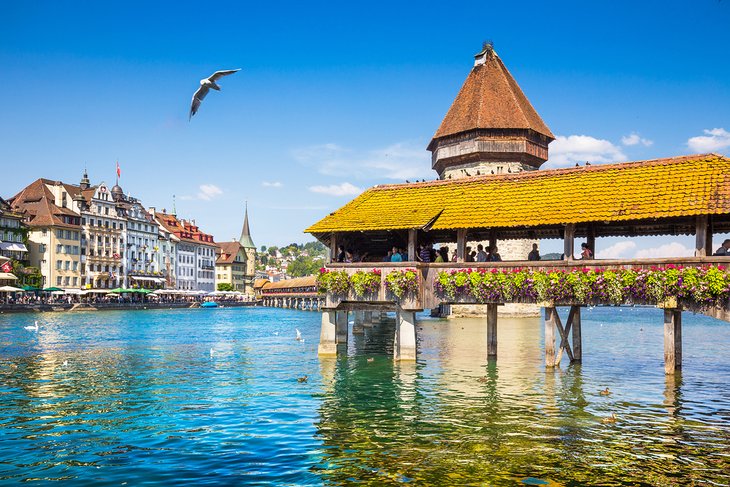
(567, 151)
(713, 140)
(400, 161)
(207, 192)
(616, 250)
(635, 139)
(343, 189)
(671, 249)
(272, 184)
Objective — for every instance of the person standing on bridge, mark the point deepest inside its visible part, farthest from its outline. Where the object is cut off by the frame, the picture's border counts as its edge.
(586, 253)
(534, 254)
(724, 248)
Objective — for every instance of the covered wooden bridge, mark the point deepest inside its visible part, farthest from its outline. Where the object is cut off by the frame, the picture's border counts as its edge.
(297, 293)
(687, 195)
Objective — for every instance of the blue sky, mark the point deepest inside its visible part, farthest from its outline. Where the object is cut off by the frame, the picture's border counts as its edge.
(335, 98)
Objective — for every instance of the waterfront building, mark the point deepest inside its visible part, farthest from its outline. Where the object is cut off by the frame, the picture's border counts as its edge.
(54, 231)
(236, 262)
(230, 266)
(104, 236)
(166, 255)
(12, 234)
(142, 264)
(196, 253)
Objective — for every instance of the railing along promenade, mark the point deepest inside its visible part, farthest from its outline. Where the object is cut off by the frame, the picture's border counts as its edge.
(426, 295)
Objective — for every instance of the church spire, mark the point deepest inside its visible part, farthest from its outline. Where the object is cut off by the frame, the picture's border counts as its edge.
(245, 239)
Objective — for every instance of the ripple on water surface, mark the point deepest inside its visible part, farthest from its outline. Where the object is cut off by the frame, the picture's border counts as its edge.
(212, 397)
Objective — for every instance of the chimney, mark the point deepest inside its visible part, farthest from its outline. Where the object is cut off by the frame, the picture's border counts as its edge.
(153, 210)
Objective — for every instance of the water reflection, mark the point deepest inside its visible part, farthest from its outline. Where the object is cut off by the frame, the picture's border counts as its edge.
(139, 397)
(456, 418)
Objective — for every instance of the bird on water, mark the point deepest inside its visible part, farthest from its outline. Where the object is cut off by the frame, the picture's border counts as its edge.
(299, 335)
(32, 328)
(605, 392)
(205, 86)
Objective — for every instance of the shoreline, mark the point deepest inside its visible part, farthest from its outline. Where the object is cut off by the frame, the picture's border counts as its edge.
(65, 307)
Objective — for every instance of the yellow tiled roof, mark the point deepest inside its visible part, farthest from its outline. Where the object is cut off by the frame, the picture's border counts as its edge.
(660, 188)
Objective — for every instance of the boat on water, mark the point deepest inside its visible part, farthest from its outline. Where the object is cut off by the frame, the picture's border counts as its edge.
(209, 304)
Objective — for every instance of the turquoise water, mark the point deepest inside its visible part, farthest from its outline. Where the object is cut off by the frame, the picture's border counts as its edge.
(212, 397)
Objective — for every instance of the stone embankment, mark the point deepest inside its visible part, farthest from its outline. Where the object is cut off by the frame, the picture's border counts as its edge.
(46, 308)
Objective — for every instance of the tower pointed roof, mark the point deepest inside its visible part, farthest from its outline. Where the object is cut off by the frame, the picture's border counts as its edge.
(245, 239)
(490, 99)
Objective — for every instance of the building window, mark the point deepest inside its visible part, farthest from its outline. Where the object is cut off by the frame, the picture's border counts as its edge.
(58, 280)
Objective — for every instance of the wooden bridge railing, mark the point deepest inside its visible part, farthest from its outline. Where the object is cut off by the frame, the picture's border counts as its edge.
(426, 296)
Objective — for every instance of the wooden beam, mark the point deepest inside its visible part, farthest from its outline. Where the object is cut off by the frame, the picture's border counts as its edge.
(672, 340)
(591, 240)
(577, 339)
(701, 230)
(412, 245)
(461, 245)
(564, 332)
(333, 248)
(491, 331)
(568, 241)
(550, 313)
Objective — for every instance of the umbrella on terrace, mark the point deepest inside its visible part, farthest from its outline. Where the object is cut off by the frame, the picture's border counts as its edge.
(10, 289)
(119, 290)
(52, 289)
(31, 288)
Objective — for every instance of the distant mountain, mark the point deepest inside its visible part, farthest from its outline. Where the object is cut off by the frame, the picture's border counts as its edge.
(552, 256)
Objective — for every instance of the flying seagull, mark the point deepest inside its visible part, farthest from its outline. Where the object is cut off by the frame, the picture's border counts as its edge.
(205, 86)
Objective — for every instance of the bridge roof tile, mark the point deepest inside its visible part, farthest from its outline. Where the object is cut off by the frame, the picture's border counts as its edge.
(661, 188)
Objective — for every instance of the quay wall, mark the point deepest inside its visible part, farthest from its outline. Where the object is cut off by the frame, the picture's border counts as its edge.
(47, 308)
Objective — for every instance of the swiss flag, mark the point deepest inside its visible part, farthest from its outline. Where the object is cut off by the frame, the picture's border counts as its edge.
(6, 267)
(119, 171)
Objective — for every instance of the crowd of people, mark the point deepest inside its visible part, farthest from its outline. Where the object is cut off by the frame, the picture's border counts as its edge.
(426, 253)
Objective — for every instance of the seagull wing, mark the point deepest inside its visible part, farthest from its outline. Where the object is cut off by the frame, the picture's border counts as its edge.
(219, 74)
(197, 99)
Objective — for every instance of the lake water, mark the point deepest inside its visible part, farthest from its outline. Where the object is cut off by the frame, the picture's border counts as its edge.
(212, 397)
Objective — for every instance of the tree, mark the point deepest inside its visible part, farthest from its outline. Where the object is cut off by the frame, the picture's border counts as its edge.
(263, 248)
(303, 266)
(225, 286)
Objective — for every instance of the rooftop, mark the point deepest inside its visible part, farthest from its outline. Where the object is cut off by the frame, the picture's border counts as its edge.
(654, 189)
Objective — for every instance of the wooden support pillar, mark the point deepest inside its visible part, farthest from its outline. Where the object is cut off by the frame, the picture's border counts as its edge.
(576, 331)
(568, 241)
(412, 243)
(333, 248)
(672, 340)
(327, 336)
(342, 326)
(367, 317)
(461, 245)
(404, 345)
(492, 239)
(357, 327)
(491, 331)
(703, 237)
(550, 313)
(591, 240)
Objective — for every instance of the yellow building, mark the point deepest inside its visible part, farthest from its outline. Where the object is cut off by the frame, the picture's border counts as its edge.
(230, 266)
(236, 262)
(54, 231)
